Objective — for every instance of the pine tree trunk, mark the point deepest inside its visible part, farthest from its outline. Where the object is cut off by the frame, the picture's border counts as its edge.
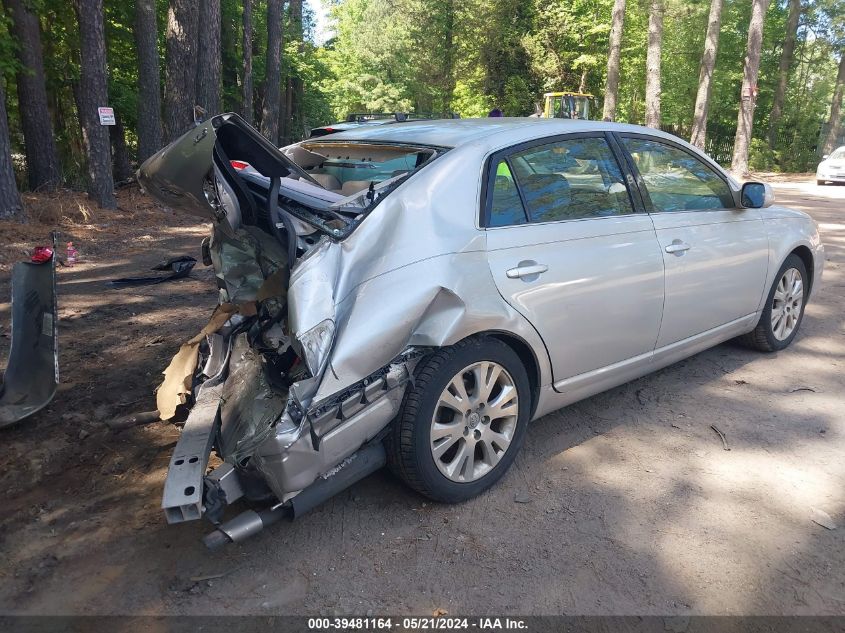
(705, 75)
(273, 78)
(748, 95)
(149, 79)
(209, 57)
(180, 77)
(653, 60)
(611, 92)
(10, 199)
(121, 169)
(285, 111)
(834, 122)
(93, 93)
(247, 98)
(42, 160)
(783, 69)
(448, 60)
(294, 113)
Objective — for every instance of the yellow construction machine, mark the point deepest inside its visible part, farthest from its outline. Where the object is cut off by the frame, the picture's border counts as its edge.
(567, 105)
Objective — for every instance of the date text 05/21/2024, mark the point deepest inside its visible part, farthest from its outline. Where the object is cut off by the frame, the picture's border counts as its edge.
(416, 624)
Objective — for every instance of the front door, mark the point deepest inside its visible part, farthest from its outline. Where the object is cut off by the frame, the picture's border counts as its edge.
(568, 250)
(715, 253)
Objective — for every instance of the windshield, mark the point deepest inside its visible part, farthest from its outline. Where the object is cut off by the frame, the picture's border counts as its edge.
(582, 108)
(571, 107)
(837, 154)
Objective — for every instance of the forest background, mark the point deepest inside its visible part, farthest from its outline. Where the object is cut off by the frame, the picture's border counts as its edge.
(756, 83)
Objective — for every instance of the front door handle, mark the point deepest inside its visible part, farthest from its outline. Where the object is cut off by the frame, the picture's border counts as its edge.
(677, 247)
(526, 270)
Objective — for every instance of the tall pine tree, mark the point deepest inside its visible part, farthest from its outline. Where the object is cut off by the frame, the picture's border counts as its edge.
(93, 93)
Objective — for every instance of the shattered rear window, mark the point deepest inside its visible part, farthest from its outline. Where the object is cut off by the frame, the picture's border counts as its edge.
(350, 168)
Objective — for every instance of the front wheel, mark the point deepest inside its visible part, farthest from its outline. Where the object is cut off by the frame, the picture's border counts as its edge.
(784, 309)
(820, 182)
(463, 420)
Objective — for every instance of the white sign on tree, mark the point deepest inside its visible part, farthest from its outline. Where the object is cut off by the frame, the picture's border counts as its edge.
(106, 116)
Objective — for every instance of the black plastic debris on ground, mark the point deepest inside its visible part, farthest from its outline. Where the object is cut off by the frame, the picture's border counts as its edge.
(179, 268)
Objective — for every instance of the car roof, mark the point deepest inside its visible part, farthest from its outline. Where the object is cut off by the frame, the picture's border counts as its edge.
(457, 132)
(349, 125)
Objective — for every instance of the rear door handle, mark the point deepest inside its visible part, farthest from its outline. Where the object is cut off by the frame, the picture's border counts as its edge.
(677, 247)
(526, 269)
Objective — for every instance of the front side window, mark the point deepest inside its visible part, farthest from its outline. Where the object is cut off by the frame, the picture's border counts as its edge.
(676, 180)
(571, 180)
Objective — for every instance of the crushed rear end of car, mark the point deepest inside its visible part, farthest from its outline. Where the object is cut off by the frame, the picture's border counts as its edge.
(252, 381)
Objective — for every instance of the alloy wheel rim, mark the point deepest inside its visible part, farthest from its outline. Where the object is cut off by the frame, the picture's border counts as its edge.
(786, 304)
(474, 421)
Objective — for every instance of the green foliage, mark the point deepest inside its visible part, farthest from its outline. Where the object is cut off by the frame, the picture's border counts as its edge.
(468, 100)
(567, 40)
(306, 61)
(8, 47)
(231, 44)
(60, 42)
(369, 62)
(760, 157)
(123, 76)
(469, 56)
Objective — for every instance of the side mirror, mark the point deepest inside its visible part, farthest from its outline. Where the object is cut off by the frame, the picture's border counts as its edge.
(757, 195)
(826, 156)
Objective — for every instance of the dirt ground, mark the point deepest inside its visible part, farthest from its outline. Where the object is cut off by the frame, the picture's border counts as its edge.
(625, 503)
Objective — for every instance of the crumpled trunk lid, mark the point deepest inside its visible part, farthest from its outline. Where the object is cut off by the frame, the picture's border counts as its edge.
(180, 175)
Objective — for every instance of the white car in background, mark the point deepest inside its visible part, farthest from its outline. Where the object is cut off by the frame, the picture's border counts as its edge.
(832, 167)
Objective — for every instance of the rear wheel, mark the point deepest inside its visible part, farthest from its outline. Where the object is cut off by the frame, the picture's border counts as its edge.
(784, 309)
(463, 420)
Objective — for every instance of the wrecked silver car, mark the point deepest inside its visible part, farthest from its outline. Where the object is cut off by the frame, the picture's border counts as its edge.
(414, 294)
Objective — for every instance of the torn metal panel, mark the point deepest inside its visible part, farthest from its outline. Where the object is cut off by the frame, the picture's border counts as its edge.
(289, 460)
(243, 261)
(178, 377)
(353, 468)
(218, 355)
(250, 406)
(178, 174)
(32, 373)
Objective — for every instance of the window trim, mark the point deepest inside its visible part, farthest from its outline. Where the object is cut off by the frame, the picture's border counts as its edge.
(519, 193)
(492, 161)
(641, 185)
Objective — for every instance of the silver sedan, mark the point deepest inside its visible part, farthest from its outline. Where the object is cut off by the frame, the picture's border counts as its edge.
(416, 294)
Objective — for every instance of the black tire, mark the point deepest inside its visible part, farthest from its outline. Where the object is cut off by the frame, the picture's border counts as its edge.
(408, 445)
(762, 337)
(820, 182)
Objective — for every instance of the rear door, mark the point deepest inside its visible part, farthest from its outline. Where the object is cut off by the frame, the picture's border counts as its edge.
(571, 251)
(715, 252)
